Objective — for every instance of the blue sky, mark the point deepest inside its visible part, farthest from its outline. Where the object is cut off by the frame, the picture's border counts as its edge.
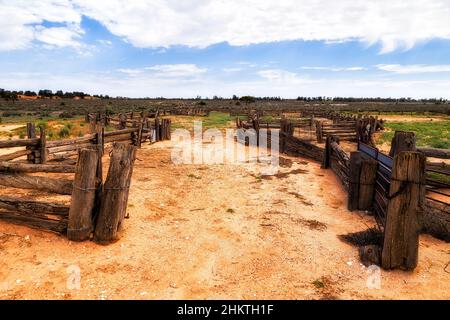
(199, 47)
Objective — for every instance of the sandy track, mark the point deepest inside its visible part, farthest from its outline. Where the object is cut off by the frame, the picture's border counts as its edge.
(219, 231)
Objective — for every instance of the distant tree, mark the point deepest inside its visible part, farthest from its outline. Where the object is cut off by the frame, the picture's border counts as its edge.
(29, 93)
(247, 99)
(46, 93)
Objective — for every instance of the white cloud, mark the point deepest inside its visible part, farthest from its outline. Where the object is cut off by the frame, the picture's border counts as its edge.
(278, 75)
(130, 72)
(20, 23)
(200, 23)
(59, 36)
(177, 70)
(334, 69)
(232, 69)
(413, 68)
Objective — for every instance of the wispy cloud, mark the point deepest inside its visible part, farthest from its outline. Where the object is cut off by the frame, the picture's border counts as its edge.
(232, 69)
(177, 70)
(334, 69)
(413, 68)
(130, 72)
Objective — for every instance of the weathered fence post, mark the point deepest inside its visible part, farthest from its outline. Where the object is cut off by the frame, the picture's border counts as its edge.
(115, 193)
(403, 218)
(31, 134)
(157, 129)
(367, 177)
(402, 141)
(319, 131)
(139, 135)
(122, 121)
(283, 134)
(43, 144)
(354, 180)
(326, 153)
(83, 196)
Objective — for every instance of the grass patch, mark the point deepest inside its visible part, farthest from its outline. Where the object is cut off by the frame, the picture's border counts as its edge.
(217, 120)
(438, 177)
(318, 283)
(434, 134)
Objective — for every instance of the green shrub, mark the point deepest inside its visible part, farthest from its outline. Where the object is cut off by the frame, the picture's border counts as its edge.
(64, 132)
(66, 114)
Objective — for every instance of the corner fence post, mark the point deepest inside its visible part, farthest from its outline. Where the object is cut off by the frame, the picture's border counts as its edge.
(83, 196)
(403, 218)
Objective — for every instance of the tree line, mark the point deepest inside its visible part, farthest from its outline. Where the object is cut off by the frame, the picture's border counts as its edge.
(46, 93)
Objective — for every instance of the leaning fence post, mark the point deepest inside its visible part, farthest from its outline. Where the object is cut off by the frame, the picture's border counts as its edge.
(83, 196)
(115, 193)
(406, 200)
(353, 180)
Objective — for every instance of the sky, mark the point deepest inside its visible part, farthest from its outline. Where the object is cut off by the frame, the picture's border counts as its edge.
(189, 48)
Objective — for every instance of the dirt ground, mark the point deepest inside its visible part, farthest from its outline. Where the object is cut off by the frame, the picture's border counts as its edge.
(219, 232)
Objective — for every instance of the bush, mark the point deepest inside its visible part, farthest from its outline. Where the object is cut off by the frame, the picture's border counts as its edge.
(64, 132)
(248, 99)
(66, 114)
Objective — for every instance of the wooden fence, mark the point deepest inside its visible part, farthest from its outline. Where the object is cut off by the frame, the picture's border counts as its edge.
(349, 128)
(74, 168)
(398, 189)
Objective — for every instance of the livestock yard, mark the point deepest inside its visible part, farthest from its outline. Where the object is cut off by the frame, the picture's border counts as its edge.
(93, 205)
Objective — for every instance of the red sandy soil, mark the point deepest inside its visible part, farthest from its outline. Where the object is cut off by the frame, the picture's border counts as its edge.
(219, 231)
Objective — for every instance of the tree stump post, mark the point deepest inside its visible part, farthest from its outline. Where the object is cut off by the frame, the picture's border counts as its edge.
(353, 180)
(403, 218)
(367, 177)
(83, 196)
(402, 141)
(115, 193)
(43, 144)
